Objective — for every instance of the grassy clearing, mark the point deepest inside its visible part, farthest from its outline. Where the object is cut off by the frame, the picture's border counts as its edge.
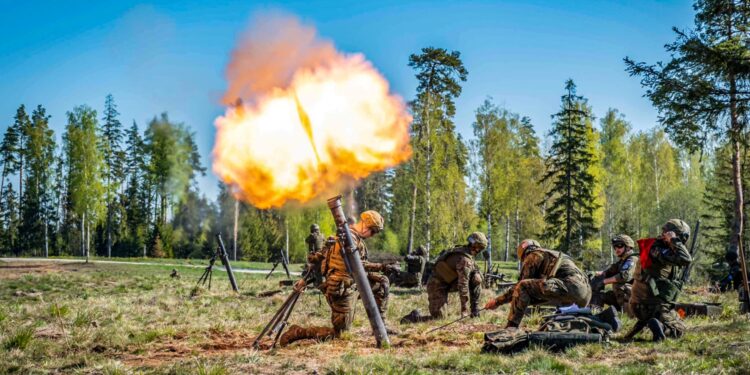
(121, 319)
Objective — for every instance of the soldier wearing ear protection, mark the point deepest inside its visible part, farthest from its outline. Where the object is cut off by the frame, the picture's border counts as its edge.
(657, 283)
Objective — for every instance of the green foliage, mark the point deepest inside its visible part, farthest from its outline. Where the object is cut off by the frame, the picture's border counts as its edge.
(19, 339)
(572, 200)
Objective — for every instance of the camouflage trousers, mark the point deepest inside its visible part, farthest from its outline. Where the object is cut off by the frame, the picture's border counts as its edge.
(673, 326)
(619, 297)
(341, 299)
(557, 292)
(437, 294)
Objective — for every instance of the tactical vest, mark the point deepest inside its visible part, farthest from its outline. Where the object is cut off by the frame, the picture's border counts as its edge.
(556, 264)
(334, 266)
(665, 288)
(445, 264)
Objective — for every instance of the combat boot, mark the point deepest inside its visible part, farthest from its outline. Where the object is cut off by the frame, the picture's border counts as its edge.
(412, 317)
(657, 329)
(291, 335)
(609, 316)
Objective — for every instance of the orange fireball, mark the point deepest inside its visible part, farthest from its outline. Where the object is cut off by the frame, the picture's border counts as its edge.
(331, 123)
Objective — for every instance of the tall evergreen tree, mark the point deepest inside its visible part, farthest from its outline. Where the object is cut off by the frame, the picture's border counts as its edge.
(705, 88)
(438, 73)
(110, 145)
(570, 213)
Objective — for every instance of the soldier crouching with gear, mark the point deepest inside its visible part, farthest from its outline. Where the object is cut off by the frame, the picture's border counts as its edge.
(339, 285)
(412, 277)
(620, 274)
(547, 277)
(455, 270)
(656, 284)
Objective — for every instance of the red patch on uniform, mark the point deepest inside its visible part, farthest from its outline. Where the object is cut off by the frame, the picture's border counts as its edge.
(645, 245)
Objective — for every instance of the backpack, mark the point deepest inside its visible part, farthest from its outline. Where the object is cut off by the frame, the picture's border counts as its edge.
(557, 333)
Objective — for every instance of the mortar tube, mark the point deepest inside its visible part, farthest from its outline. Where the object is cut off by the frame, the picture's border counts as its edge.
(358, 273)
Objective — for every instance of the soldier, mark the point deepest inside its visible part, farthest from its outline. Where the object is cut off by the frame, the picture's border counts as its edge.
(339, 285)
(315, 240)
(455, 270)
(620, 274)
(733, 279)
(412, 277)
(315, 243)
(656, 284)
(547, 277)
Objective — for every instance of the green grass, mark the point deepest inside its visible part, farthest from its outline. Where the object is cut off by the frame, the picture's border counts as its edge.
(122, 319)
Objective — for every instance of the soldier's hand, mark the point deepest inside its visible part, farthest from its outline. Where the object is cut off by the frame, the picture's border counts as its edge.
(300, 285)
(491, 304)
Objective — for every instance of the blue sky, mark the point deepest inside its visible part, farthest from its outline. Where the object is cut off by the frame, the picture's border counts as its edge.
(170, 55)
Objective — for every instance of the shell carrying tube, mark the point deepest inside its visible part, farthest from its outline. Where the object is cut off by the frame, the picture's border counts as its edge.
(352, 256)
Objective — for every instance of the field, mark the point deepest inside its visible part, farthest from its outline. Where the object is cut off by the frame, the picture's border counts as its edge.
(124, 318)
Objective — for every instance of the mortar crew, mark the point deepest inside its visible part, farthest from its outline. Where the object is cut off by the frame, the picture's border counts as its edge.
(339, 285)
(656, 284)
(415, 264)
(620, 274)
(315, 240)
(454, 270)
(547, 277)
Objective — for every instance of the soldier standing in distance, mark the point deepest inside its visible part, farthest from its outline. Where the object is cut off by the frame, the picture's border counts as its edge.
(547, 277)
(620, 274)
(315, 240)
(454, 270)
(656, 285)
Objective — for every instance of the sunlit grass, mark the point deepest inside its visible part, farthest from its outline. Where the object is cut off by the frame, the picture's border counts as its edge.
(121, 319)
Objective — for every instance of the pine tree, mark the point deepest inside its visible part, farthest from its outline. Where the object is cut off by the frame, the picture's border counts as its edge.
(570, 214)
(705, 88)
(438, 73)
(111, 149)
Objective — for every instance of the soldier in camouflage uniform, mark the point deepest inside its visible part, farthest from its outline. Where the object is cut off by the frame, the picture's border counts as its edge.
(455, 270)
(656, 283)
(547, 277)
(620, 274)
(339, 285)
(315, 242)
(412, 277)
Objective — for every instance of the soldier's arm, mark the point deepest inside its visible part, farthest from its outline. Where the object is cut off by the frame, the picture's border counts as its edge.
(627, 271)
(612, 270)
(373, 267)
(531, 266)
(463, 268)
(676, 254)
(317, 256)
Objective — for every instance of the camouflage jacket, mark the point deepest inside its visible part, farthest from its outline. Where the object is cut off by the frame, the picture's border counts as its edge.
(460, 261)
(538, 264)
(665, 260)
(315, 242)
(624, 269)
(333, 265)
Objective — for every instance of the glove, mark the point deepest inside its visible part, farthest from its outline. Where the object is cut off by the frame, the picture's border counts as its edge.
(300, 285)
(491, 304)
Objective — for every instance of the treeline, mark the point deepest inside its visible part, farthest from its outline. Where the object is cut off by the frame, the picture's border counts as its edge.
(114, 191)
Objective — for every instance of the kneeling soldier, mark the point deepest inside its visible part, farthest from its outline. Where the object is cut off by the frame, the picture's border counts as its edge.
(656, 283)
(339, 285)
(455, 270)
(547, 277)
(412, 277)
(620, 274)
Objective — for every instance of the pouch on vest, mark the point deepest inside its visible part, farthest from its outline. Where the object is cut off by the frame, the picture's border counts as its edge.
(445, 272)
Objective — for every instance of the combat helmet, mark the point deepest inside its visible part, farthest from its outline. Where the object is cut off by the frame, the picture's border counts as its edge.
(679, 227)
(479, 239)
(372, 220)
(314, 228)
(524, 245)
(623, 239)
